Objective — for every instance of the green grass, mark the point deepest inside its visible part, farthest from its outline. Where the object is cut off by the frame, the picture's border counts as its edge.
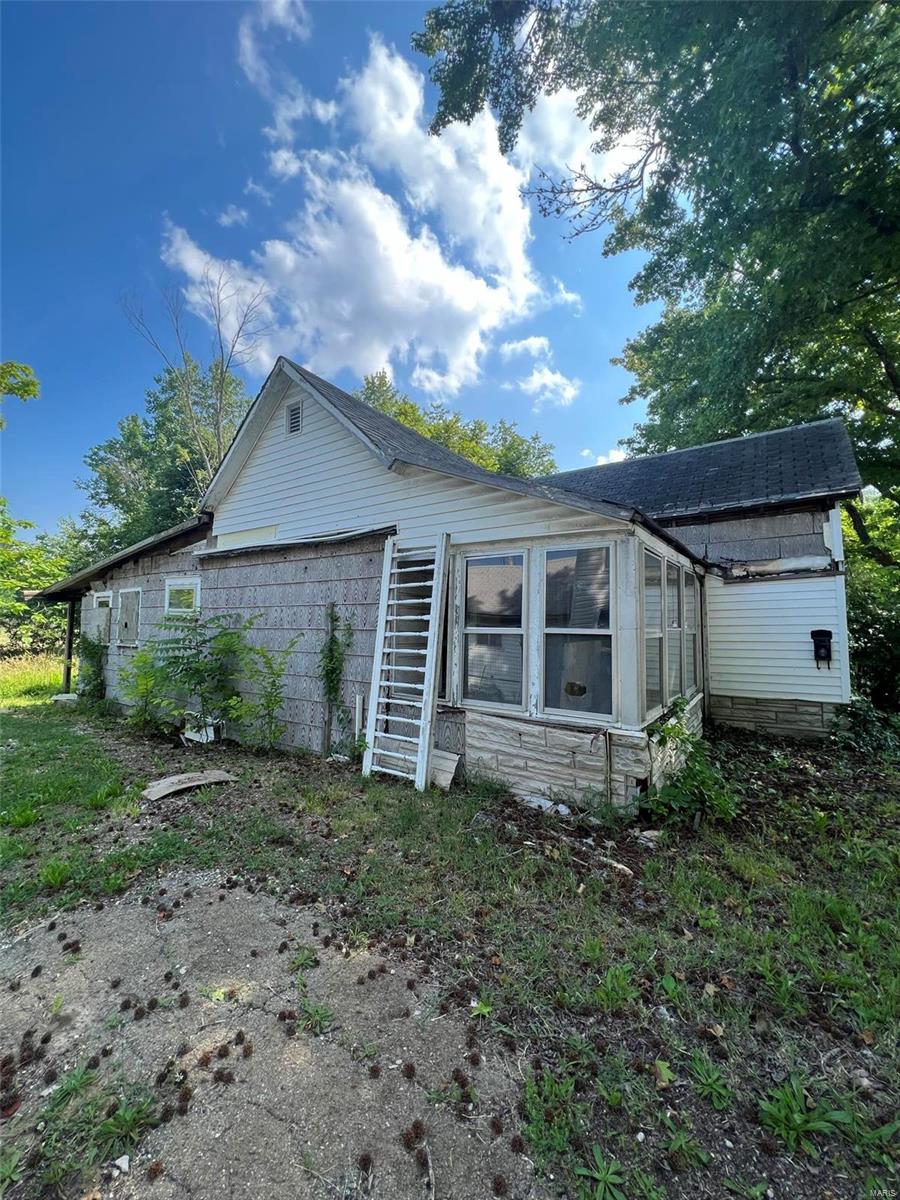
(760, 940)
(29, 679)
(84, 1123)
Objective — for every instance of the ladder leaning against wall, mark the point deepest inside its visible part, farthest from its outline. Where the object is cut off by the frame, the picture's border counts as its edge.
(403, 698)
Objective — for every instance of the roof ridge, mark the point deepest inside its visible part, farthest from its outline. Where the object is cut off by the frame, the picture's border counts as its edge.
(745, 437)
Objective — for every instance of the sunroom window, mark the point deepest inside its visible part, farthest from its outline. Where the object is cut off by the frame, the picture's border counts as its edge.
(673, 628)
(493, 631)
(577, 639)
(653, 632)
(691, 642)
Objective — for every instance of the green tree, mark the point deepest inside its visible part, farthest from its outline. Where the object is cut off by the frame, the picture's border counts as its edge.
(27, 566)
(498, 447)
(873, 606)
(760, 178)
(153, 473)
(19, 380)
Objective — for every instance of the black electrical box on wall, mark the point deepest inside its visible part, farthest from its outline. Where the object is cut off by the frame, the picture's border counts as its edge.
(821, 640)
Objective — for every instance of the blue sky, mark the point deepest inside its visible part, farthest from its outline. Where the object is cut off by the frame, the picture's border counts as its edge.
(145, 143)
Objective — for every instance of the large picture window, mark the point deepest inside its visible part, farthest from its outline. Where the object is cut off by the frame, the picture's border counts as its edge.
(577, 638)
(653, 632)
(493, 629)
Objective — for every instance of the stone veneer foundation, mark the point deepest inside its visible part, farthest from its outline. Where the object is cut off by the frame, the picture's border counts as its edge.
(790, 718)
(534, 758)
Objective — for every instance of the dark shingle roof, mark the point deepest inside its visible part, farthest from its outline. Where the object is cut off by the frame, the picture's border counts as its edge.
(801, 462)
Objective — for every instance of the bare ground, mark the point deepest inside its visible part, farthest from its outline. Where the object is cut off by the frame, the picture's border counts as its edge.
(303, 1115)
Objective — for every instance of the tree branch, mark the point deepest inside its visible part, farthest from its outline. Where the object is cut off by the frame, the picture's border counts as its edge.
(876, 553)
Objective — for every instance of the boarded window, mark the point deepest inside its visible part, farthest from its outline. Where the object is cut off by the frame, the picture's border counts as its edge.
(129, 617)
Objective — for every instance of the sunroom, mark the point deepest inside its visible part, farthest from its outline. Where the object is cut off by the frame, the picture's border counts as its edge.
(555, 657)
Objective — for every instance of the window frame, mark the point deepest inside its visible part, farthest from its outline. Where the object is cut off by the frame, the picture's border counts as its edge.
(676, 567)
(463, 629)
(98, 596)
(544, 631)
(137, 633)
(657, 634)
(694, 629)
(181, 581)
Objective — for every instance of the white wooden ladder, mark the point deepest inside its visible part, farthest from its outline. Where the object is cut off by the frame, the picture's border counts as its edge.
(405, 673)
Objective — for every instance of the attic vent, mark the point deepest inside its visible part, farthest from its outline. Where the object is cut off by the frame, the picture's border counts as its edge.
(293, 418)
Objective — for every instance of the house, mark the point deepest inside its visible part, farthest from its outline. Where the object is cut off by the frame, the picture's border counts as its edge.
(538, 629)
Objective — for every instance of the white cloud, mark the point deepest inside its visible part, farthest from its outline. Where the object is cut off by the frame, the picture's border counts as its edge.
(548, 386)
(232, 215)
(291, 102)
(427, 274)
(284, 163)
(461, 177)
(611, 456)
(537, 347)
(252, 188)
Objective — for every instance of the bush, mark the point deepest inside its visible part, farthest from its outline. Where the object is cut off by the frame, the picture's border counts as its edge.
(91, 661)
(862, 728)
(698, 791)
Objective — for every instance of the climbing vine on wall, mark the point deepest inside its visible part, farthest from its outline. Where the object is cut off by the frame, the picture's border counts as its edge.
(338, 640)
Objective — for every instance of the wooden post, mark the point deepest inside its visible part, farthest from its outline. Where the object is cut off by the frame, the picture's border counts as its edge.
(70, 643)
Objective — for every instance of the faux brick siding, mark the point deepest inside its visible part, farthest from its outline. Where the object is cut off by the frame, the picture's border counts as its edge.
(791, 718)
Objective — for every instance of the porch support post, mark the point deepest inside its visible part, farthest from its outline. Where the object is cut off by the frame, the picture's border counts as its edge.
(70, 644)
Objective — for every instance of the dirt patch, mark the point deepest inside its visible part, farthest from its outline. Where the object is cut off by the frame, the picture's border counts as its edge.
(283, 1061)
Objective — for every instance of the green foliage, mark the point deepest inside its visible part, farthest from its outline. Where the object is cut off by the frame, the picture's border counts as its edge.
(554, 1118)
(698, 791)
(27, 626)
(873, 604)
(91, 661)
(338, 640)
(498, 447)
(154, 471)
(709, 1082)
(267, 668)
(19, 380)
(862, 728)
(605, 1177)
(616, 992)
(314, 1018)
(10, 1167)
(793, 1116)
(142, 686)
(55, 873)
(760, 177)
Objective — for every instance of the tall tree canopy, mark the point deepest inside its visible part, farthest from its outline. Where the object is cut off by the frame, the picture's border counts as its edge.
(153, 473)
(761, 179)
(498, 447)
(19, 380)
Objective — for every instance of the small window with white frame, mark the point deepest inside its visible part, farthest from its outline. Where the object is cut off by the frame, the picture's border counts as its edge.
(293, 418)
(182, 595)
(102, 599)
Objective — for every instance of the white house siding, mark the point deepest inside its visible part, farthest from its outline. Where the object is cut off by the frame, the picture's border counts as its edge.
(324, 479)
(761, 671)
